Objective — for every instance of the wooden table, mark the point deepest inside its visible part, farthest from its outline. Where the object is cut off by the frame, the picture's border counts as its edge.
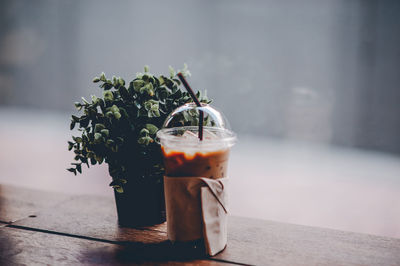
(39, 227)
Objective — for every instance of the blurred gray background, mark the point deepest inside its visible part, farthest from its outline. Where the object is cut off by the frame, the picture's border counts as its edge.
(321, 71)
(311, 87)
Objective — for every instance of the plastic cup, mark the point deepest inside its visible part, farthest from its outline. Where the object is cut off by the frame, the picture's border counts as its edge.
(189, 164)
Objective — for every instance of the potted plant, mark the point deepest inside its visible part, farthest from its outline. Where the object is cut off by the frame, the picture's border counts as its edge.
(119, 129)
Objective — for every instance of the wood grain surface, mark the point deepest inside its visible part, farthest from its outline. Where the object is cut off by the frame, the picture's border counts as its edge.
(262, 242)
(25, 247)
(17, 203)
(94, 217)
(257, 242)
(250, 241)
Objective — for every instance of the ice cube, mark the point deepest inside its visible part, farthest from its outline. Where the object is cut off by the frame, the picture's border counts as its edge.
(208, 135)
(189, 135)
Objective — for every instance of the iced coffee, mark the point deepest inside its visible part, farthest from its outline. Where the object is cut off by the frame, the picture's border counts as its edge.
(209, 161)
(195, 181)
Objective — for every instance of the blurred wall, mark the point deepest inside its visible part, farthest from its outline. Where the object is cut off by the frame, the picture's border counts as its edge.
(320, 71)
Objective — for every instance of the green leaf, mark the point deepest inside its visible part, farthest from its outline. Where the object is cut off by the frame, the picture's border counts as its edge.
(108, 96)
(177, 95)
(130, 87)
(151, 105)
(118, 182)
(75, 118)
(142, 90)
(101, 103)
(70, 145)
(137, 104)
(153, 113)
(185, 72)
(96, 79)
(114, 109)
(144, 132)
(99, 127)
(120, 140)
(151, 128)
(163, 92)
(123, 112)
(103, 77)
(97, 136)
(106, 86)
(139, 75)
(78, 105)
(177, 81)
(117, 115)
(94, 99)
(207, 121)
(121, 81)
(73, 170)
(171, 72)
(137, 84)
(99, 159)
(79, 168)
(146, 140)
(119, 189)
(105, 132)
(149, 89)
(124, 93)
(142, 113)
(84, 100)
(145, 77)
(147, 105)
(161, 80)
(114, 149)
(72, 125)
(154, 107)
(109, 114)
(84, 122)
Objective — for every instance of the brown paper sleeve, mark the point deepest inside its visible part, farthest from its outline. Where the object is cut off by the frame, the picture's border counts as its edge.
(196, 208)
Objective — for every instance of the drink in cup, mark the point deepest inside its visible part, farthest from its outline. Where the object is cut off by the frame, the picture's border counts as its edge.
(186, 156)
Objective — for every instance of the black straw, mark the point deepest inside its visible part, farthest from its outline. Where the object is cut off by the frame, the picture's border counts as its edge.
(197, 102)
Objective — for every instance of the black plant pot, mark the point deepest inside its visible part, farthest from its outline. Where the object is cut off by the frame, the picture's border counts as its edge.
(141, 204)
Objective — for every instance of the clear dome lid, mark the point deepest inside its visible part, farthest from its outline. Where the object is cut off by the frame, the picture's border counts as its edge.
(181, 128)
